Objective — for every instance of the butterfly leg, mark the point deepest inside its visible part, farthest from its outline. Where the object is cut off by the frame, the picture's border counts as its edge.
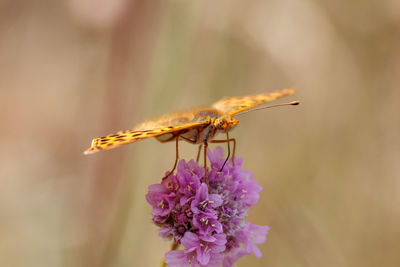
(198, 153)
(228, 140)
(205, 160)
(176, 159)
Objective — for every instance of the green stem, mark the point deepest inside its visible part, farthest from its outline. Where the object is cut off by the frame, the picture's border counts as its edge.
(174, 246)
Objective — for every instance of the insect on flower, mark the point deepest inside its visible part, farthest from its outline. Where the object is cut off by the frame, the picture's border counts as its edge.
(198, 126)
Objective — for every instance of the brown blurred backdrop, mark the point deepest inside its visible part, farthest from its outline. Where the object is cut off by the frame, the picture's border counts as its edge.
(78, 69)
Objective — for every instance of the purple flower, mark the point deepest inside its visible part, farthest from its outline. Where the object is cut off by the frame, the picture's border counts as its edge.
(247, 191)
(188, 176)
(205, 202)
(251, 235)
(230, 259)
(161, 199)
(202, 250)
(178, 258)
(209, 221)
(204, 245)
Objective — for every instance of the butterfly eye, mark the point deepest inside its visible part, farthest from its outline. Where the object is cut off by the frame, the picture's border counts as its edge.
(220, 123)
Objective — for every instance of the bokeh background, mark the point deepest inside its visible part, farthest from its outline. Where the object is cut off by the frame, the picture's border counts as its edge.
(78, 69)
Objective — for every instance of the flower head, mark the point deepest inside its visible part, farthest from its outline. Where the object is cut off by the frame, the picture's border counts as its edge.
(208, 220)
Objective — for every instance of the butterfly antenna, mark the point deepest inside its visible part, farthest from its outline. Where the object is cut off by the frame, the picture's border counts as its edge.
(293, 103)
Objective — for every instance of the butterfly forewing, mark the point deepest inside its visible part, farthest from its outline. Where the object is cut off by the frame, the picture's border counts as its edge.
(235, 105)
(130, 136)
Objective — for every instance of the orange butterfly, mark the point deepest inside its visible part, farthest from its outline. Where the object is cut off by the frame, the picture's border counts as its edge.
(198, 126)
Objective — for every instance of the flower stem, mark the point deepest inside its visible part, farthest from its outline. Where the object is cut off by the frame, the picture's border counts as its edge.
(174, 246)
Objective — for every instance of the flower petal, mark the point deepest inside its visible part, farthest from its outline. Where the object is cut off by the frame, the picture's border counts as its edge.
(203, 255)
(190, 240)
(176, 258)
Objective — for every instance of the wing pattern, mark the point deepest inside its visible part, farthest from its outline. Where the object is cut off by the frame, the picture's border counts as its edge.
(130, 136)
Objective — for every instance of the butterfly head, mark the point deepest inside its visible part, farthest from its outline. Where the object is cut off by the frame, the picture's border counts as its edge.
(225, 123)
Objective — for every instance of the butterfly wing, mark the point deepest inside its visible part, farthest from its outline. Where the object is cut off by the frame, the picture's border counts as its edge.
(235, 105)
(130, 136)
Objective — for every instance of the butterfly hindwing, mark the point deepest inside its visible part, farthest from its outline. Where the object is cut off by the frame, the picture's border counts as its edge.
(235, 105)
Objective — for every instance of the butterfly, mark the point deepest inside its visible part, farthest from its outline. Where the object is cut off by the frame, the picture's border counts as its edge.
(197, 126)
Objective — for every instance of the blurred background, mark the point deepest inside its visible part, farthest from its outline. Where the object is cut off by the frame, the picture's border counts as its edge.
(78, 69)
